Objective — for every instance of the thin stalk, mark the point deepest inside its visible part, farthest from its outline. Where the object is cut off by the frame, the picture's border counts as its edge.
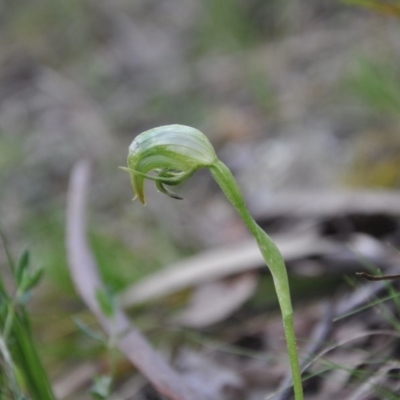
(377, 277)
(9, 321)
(10, 259)
(24, 350)
(274, 260)
(9, 369)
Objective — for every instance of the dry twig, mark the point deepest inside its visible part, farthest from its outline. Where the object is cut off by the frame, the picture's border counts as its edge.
(84, 273)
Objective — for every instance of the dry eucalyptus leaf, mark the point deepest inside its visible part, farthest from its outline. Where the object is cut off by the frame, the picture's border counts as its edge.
(215, 301)
(217, 381)
(219, 263)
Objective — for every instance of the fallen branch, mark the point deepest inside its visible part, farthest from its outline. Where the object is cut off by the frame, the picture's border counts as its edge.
(326, 204)
(87, 282)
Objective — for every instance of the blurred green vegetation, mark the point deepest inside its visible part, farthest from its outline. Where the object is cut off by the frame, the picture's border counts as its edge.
(376, 163)
(377, 85)
(227, 26)
(55, 32)
(119, 265)
(391, 8)
(141, 64)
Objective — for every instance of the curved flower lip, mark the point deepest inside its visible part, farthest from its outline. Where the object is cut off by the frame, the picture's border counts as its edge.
(174, 152)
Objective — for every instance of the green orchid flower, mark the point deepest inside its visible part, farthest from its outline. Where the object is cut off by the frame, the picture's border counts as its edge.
(169, 155)
(173, 152)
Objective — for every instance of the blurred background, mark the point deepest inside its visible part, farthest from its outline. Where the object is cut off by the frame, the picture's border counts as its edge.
(293, 95)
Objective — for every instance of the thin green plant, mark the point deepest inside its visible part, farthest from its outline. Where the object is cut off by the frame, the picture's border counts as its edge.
(174, 153)
(385, 311)
(21, 371)
(17, 345)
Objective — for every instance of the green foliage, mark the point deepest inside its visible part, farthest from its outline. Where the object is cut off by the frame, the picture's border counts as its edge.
(226, 25)
(10, 152)
(25, 278)
(101, 388)
(18, 348)
(54, 29)
(47, 242)
(23, 373)
(107, 301)
(378, 86)
(381, 6)
(114, 258)
(261, 90)
(89, 332)
(376, 161)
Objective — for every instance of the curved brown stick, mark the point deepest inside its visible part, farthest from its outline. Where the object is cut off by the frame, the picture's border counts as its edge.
(87, 282)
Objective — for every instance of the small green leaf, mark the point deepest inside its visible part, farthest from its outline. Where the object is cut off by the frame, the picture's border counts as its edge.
(29, 280)
(90, 332)
(34, 279)
(101, 388)
(107, 301)
(22, 266)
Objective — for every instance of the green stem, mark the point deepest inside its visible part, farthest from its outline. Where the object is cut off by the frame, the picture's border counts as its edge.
(9, 369)
(9, 320)
(274, 260)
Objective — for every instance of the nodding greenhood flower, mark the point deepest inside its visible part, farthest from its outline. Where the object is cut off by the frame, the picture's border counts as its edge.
(176, 152)
(173, 152)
